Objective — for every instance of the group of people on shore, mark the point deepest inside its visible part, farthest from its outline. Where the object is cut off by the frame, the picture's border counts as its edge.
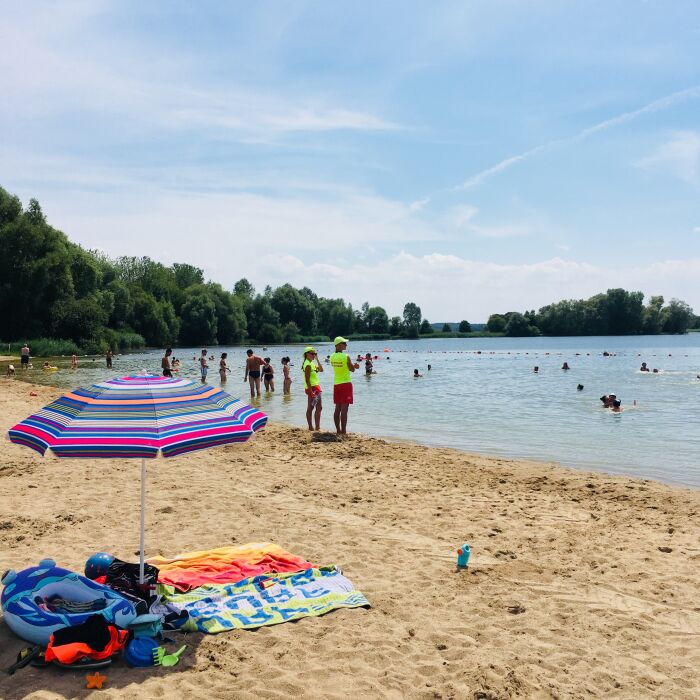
(260, 372)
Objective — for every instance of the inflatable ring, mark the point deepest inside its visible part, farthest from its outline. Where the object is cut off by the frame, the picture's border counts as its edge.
(31, 619)
(50, 369)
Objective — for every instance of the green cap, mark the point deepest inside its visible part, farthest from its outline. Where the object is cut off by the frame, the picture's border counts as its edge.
(340, 340)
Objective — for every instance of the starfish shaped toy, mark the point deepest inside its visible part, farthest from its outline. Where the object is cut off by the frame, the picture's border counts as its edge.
(96, 681)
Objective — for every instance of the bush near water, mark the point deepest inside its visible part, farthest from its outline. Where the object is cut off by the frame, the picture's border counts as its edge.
(61, 299)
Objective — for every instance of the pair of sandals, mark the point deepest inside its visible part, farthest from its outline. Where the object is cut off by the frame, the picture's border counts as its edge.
(35, 656)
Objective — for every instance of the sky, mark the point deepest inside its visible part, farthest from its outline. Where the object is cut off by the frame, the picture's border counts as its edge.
(471, 157)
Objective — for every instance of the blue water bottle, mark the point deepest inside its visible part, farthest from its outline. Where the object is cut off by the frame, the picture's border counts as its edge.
(463, 556)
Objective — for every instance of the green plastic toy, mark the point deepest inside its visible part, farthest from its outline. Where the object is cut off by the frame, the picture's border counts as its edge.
(160, 658)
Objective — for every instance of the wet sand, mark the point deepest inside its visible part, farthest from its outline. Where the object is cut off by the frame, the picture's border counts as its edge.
(580, 584)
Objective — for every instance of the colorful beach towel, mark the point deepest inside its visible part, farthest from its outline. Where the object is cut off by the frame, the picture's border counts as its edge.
(264, 600)
(226, 565)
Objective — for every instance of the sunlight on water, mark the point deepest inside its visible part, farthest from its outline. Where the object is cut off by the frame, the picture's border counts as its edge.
(492, 402)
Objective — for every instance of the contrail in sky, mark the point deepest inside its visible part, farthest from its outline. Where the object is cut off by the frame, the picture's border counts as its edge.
(655, 106)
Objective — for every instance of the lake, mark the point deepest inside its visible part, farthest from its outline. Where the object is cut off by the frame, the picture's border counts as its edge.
(482, 395)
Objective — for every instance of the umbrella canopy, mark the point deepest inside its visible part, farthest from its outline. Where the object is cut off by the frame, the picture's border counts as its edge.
(138, 416)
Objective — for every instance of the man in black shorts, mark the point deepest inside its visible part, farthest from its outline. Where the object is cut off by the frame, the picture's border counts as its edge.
(165, 363)
(252, 372)
(24, 356)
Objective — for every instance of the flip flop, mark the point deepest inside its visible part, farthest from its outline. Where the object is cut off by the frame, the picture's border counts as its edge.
(24, 657)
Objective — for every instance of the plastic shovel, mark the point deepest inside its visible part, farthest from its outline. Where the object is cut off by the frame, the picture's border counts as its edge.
(160, 658)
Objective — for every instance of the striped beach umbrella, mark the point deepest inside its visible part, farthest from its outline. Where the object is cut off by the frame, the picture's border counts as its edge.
(141, 416)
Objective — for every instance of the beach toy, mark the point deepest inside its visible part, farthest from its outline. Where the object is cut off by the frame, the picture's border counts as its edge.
(95, 681)
(36, 601)
(139, 652)
(98, 564)
(463, 556)
(160, 658)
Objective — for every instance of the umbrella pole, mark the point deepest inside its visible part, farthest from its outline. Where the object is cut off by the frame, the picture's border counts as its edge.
(143, 518)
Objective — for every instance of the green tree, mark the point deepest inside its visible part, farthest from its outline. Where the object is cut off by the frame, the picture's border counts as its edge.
(293, 306)
(677, 317)
(518, 325)
(10, 207)
(496, 324)
(426, 328)
(446, 328)
(263, 320)
(377, 320)
(198, 319)
(395, 325)
(187, 275)
(123, 304)
(653, 319)
(465, 327)
(412, 315)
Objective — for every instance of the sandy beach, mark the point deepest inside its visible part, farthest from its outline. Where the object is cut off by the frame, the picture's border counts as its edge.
(580, 584)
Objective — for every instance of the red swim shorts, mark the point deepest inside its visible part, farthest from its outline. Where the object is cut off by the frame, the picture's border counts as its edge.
(313, 391)
(342, 393)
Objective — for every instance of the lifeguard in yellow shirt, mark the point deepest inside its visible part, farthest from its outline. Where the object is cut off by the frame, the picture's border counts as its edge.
(342, 383)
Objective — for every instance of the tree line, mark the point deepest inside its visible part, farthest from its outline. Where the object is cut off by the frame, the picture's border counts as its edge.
(615, 312)
(77, 299)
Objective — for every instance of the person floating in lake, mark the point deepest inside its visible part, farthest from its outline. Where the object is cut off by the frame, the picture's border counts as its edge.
(565, 366)
(342, 384)
(616, 406)
(368, 364)
(73, 361)
(654, 371)
(268, 375)
(287, 379)
(108, 358)
(607, 400)
(165, 363)
(535, 369)
(223, 367)
(579, 387)
(644, 367)
(310, 368)
(429, 367)
(416, 374)
(252, 372)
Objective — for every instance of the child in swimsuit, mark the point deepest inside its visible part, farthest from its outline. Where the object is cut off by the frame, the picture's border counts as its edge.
(287, 383)
(268, 375)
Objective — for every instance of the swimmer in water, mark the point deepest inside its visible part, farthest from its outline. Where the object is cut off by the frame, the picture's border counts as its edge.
(644, 367)
(616, 406)
(536, 369)
(579, 387)
(654, 371)
(565, 366)
(416, 374)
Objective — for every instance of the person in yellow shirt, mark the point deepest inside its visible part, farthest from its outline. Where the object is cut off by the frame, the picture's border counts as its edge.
(342, 383)
(312, 387)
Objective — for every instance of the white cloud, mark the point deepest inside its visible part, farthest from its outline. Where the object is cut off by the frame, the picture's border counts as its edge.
(67, 67)
(655, 106)
(448, 287)
(679, 156)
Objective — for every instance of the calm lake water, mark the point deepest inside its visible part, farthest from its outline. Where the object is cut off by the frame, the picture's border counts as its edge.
(483, 396)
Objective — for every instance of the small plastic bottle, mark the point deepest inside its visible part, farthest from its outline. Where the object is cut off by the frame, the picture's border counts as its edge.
(463, 556)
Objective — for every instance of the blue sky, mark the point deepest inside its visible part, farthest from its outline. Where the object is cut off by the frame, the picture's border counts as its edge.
(472, 157)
